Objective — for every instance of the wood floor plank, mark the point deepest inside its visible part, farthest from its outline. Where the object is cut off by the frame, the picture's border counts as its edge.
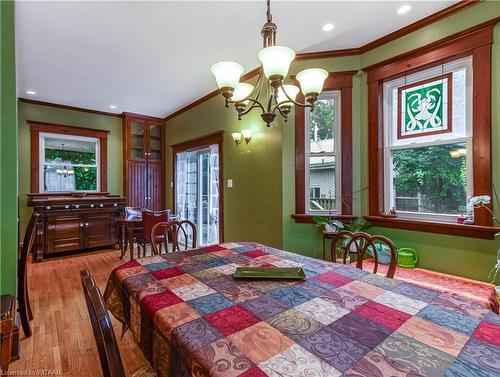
(62, 337)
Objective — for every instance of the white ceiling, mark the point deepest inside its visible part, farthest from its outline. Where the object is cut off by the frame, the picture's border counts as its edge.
(154, 57)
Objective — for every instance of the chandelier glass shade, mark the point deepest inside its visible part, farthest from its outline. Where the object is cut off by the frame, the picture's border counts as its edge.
(275, 64)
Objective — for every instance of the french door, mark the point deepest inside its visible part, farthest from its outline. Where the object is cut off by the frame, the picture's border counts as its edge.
(197, 191)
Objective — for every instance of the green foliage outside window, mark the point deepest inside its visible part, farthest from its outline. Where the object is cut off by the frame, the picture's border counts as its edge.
(322, 117)
(85, 177)
(431, 174)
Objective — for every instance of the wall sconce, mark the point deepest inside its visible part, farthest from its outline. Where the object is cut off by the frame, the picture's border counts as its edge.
(238, 137)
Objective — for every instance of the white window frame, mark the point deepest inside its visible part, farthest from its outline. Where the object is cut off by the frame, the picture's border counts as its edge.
(438, 139)
(337, 153)
(97, 141)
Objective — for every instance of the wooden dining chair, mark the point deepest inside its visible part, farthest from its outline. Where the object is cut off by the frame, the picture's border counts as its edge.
(149, 220)
(348, 242)
(107, 347)
(23, 299)
(176, 233)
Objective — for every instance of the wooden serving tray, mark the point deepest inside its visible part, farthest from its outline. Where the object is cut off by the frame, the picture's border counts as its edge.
(269, 273)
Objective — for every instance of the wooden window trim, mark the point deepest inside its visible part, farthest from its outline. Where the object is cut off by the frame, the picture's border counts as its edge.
(336, 81)
(37, 127)
(475, 42)
(206, 140)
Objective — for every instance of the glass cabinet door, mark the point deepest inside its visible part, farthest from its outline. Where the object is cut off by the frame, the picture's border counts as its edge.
(155, 146)
(137, 140)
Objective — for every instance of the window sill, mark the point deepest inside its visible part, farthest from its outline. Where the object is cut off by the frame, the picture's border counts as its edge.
(304, 218)
(474, 231)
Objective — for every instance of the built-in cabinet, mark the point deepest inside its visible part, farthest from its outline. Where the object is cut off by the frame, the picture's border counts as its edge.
(144, 161)
(68, 224)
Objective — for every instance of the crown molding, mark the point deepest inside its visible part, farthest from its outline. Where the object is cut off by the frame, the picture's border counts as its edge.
(443, 13)
(67, 107)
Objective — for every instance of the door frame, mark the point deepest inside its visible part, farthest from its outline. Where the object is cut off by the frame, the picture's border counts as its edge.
(214, 138)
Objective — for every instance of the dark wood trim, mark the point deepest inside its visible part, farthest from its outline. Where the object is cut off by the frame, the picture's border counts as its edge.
(327, 54)
(127, 114)
(336, 81)
(67, 107)
(302, 218)
(475, 42)
(449, 89)
(474, 231)
(37, 127)
(199, 142)
(452, 9)
(461, 43)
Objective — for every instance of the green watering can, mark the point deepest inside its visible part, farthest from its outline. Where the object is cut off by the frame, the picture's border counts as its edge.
(407, 257)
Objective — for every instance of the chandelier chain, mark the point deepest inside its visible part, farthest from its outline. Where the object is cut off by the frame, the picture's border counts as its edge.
(269, 15)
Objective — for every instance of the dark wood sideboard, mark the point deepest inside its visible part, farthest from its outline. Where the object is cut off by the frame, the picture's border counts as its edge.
(68, 223)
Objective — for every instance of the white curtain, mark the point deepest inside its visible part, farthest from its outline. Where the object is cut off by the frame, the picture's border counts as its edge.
(181, 185)
(213, 202)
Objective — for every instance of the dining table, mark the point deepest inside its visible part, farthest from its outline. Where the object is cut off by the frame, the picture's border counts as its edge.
(191, 317)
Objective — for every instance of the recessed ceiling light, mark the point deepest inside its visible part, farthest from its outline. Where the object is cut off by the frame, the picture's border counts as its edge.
(328, 27)
(113, 107)
(404, 9)
(31, 92)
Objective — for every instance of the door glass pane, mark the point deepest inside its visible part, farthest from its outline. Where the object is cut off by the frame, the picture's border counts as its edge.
(155, 142)
(430, 179)
(322, 185)
(136, 139)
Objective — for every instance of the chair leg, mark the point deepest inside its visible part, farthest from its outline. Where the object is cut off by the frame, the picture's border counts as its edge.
(28, 304)
(23, 313)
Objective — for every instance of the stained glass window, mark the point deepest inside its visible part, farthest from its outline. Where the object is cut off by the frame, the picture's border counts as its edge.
(425, 107)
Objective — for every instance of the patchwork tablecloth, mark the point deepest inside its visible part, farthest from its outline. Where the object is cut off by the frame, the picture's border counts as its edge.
(192, 318)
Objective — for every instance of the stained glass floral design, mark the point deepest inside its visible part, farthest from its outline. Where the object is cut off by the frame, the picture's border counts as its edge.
(424, 107)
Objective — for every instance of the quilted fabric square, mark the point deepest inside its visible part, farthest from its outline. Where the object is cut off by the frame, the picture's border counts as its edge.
(384, 315)
(167, 273)
(254, 253)
(126, 265)
(290, 296)
(151, 304)
(208, 274)
(361, 329)
(334, 348)
(157, 266)
(417, 293)
(363, 289)
(322, 311)
(192, 267)
(255, 371)
(123, 273)
(227, 269)
(210, 303)
(380, 281)
(348, 271)
(344, 299)
(376, 364)
(178, 281)
(151, 289)
(294, 324)
(297, 362)
(483, 355)
(333, 279)
(400, 302)
(190, 292)
(224, 253)
(461, 305)
(220, 358)
(167, 319)
(415, 355)
(214, 262)
(151, 260)
(434, 335)
(194, 335)
(232, 319)
(488, 332)
(461, 368)
(313, 287)
(451, 319)
(264, 307)
(260, 342)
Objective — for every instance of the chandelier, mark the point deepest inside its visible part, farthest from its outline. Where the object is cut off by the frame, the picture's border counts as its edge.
(65, 171)
(275, 61)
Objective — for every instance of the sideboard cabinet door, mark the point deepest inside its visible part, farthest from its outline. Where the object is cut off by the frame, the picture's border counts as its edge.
(100, 229)
(64, 233)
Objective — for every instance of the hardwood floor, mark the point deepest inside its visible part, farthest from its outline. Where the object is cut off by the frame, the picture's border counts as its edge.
(62, 339)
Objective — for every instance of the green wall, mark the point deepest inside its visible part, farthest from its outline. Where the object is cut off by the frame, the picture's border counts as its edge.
(65, 117)
(259, 212)
(8, 148)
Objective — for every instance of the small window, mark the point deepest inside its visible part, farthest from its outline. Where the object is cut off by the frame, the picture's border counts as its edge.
(323, 154)
(68, 163)
(428, 142)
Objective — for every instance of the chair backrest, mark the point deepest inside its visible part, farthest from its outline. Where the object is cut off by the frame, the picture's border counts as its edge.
(150, 219)
(104, 335)
(181, 235)
(29, 240)
(133, 211)
(364, 243)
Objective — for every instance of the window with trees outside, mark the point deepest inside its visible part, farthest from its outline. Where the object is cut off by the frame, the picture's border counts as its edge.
(68, 163)
(428, 142)
(322, 154)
